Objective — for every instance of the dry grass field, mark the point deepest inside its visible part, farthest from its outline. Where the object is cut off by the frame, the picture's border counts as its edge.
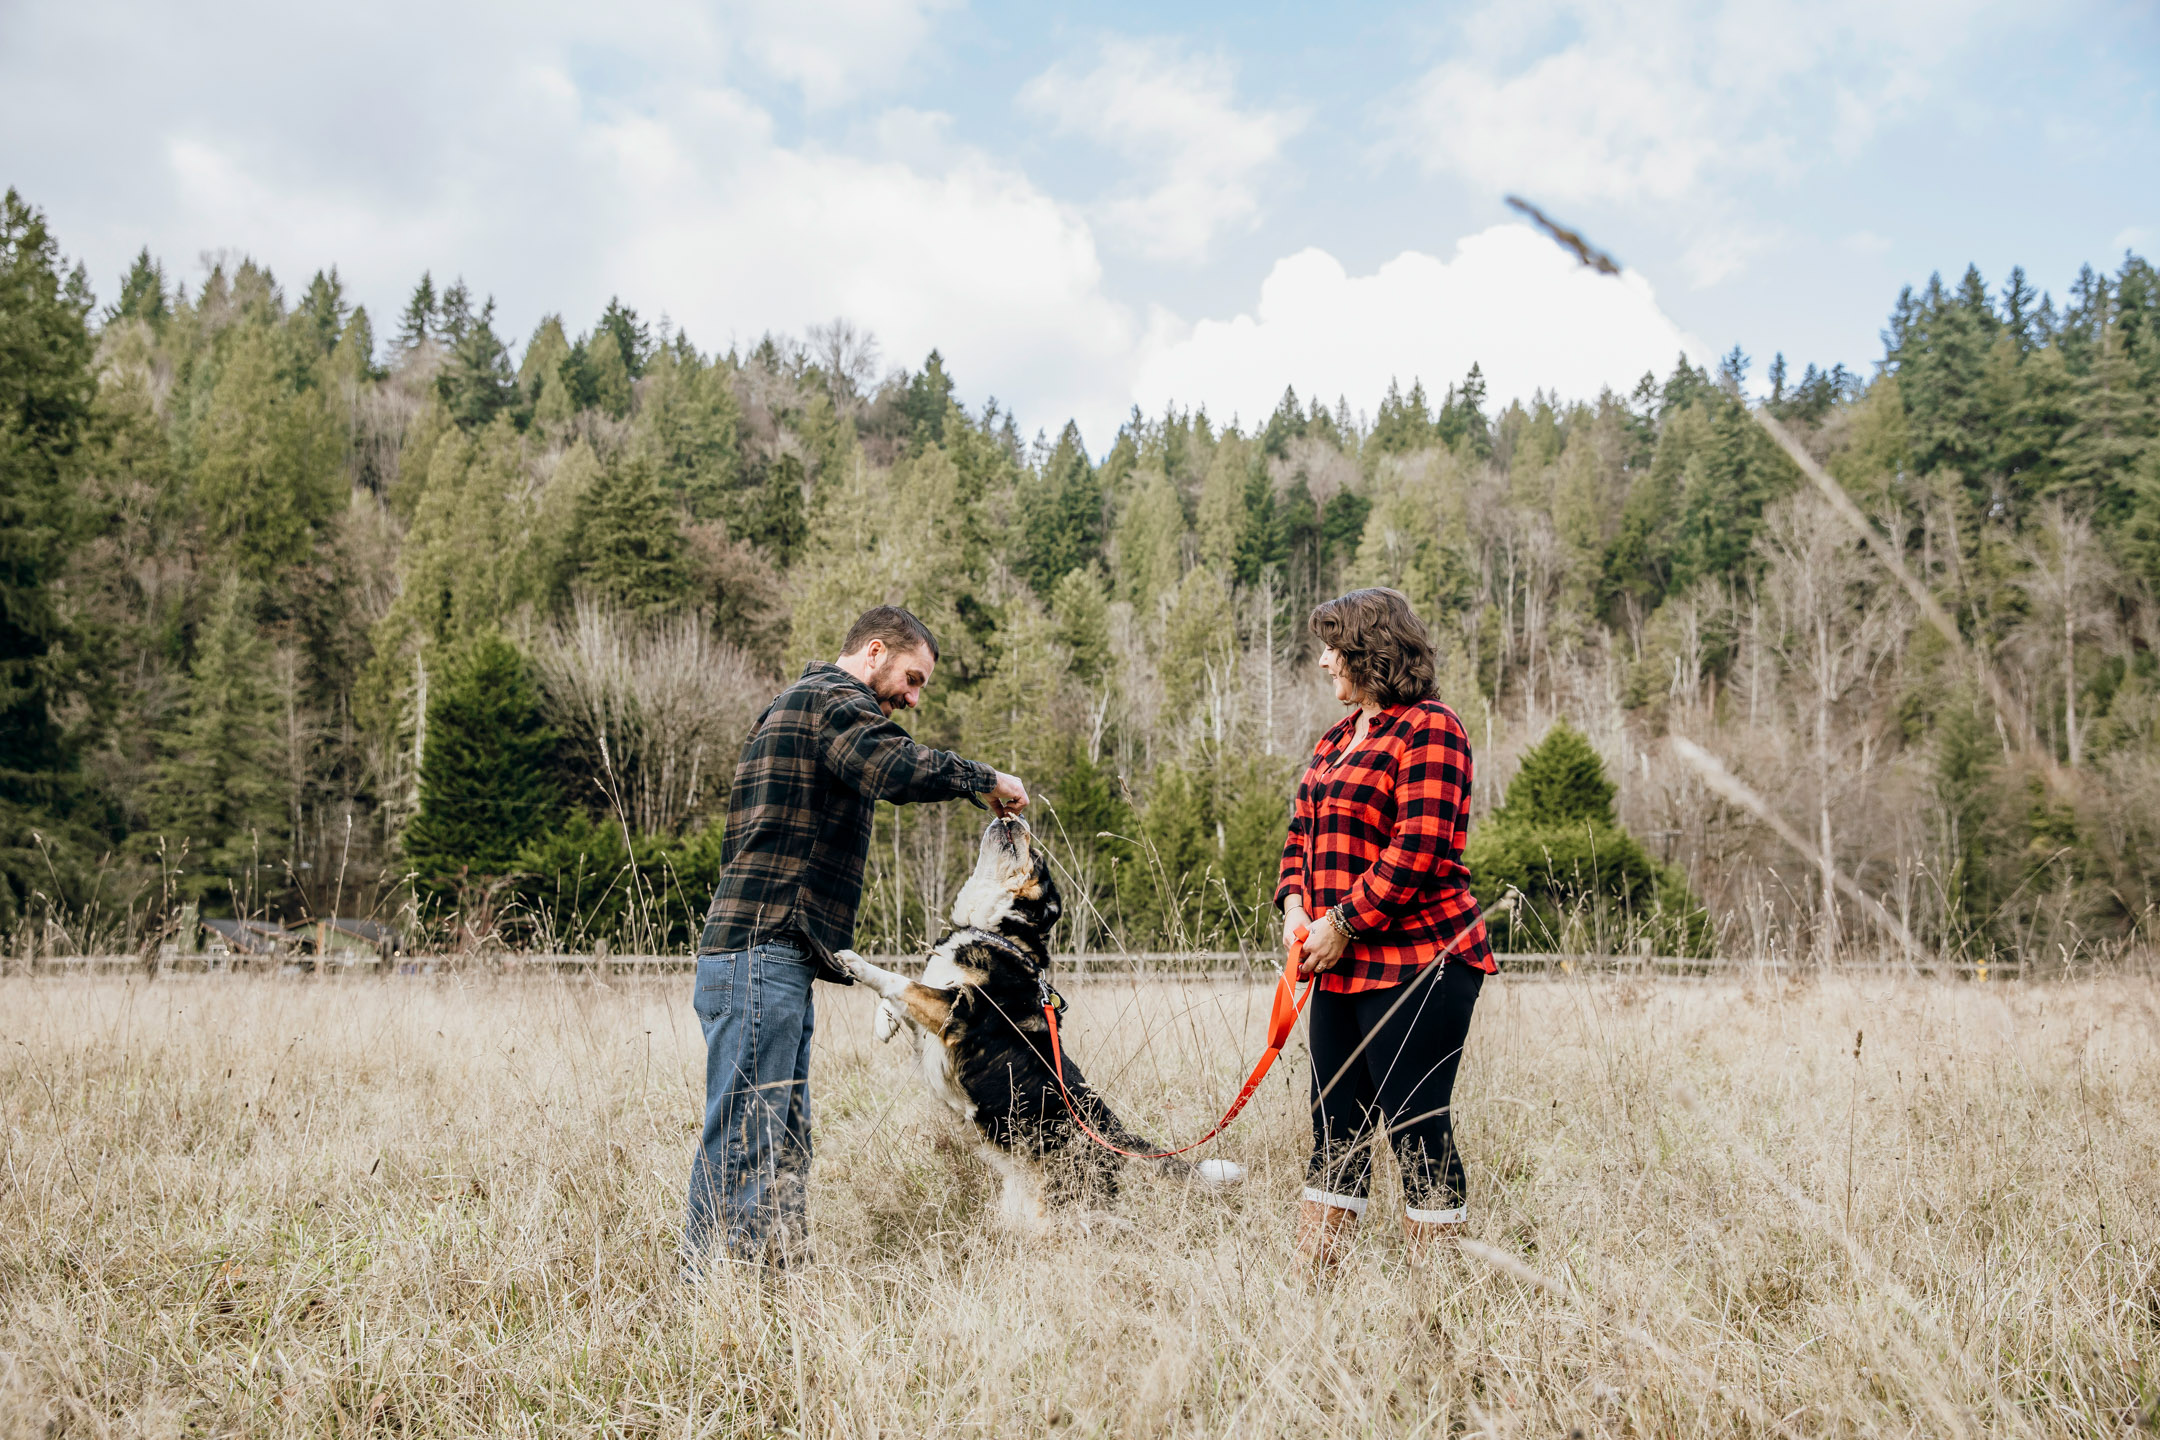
(425, 1206)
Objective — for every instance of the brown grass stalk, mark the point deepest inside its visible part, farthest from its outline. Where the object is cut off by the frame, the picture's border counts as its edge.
(249, 1205)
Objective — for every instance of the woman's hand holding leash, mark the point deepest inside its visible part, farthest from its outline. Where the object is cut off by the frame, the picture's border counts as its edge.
(1324, 950)
(1295, 922)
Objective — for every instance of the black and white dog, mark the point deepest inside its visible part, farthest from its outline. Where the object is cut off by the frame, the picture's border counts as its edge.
(979, 1007)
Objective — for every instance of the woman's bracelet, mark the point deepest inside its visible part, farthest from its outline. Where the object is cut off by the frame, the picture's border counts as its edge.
(1340, 915)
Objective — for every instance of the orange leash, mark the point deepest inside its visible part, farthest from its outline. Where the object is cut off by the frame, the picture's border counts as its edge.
(1282, 1018)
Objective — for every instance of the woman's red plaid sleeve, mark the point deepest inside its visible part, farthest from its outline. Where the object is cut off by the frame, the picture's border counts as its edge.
(1291, 878)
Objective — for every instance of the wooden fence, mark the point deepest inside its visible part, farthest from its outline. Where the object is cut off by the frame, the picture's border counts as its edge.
(1217, 965)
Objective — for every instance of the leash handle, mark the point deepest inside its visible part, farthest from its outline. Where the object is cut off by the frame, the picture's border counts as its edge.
(1284, 1013)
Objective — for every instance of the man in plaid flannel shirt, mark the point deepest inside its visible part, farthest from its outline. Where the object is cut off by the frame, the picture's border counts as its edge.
(798, 831)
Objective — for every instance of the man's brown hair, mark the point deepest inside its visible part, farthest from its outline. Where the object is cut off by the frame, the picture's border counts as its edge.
(1385, 649)
(898, 628)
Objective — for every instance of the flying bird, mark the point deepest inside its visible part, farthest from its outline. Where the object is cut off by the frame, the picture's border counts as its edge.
(1567, 239)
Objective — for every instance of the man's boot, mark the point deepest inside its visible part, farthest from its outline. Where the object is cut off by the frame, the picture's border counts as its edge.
(1325, 1230)
(1423, 1230)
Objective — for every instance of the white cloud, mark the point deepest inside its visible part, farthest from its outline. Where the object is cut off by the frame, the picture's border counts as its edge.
(972, 258)
(1199, 158)
(556, 157)
(1668, 102)
(834, 49)
(1509, 300)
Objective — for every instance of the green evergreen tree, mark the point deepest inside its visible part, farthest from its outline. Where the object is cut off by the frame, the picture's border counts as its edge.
(1200, 869)
(633, 342)
(475, 383)
(1964, 783)
(1199, 639)
(1286, 424)
(143, 295)
(1939, 353)
(689, 423)
(606, 377)
(487, 786)
(322, 312)
(417, 324)
(1682, 388)
(1264, 543)
(630, 542)
(218, 786)
(1404, 424)
(1081, 604)
(1561, 779)
(46, 390)
(1061, 514)
(2111, 427)
(268, 458)
(1461, 423)
(453, 313)
(1342, 524)
(777, 517)
(1223, 519)
(543, 391)
(1732, 474)
(925, 399)
(1150, 541)
(355, 354)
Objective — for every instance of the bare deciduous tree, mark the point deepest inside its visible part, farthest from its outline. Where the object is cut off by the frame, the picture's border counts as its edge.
(2068, 586)
(661, 706)
(1832, 622)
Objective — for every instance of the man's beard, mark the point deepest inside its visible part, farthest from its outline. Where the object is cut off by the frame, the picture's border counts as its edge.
(881, 678)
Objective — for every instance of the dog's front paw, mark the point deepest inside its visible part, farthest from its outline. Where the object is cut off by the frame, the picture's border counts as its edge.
(887, 1023)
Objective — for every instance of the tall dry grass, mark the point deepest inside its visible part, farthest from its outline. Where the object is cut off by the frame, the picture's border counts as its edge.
(414, 1207)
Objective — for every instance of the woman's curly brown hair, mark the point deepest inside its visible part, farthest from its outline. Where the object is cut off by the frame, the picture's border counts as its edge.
(1384, 647)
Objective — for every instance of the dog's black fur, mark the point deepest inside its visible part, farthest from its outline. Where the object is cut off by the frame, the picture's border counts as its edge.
(979, 1004)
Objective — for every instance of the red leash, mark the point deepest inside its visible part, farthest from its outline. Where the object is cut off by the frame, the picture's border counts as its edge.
(1281, 1020)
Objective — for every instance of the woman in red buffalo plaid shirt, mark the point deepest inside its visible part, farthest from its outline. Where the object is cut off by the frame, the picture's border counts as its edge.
(1373, 868)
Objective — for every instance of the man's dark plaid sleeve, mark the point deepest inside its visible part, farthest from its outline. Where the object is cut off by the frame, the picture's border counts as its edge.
(878, 759)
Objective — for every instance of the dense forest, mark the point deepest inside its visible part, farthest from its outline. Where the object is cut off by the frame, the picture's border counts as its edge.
(302, 613)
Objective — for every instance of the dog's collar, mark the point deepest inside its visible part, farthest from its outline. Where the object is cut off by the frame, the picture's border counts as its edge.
(1038, 965)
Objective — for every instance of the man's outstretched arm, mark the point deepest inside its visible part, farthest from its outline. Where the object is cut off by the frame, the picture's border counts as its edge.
(877, 758)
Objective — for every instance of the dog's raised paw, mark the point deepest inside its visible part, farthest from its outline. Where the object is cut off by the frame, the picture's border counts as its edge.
(1219, 1172)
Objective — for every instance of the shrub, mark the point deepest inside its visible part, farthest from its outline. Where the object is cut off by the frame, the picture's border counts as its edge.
(1584, 881)
(579, 884)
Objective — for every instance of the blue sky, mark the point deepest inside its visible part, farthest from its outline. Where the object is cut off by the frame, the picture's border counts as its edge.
(1089, 207)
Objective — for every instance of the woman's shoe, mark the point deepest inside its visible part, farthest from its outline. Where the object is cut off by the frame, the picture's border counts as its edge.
(1324, 1232)
(1424, 1229)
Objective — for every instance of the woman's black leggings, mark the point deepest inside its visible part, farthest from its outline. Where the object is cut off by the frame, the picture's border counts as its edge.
(1405, 1078)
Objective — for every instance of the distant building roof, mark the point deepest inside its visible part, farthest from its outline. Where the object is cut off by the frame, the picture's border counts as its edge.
(248, 937)
(368, 932)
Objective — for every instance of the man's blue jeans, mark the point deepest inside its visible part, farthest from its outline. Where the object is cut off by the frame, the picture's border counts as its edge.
(748, 1179)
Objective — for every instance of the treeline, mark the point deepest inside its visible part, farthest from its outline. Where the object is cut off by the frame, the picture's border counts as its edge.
(300, 620)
